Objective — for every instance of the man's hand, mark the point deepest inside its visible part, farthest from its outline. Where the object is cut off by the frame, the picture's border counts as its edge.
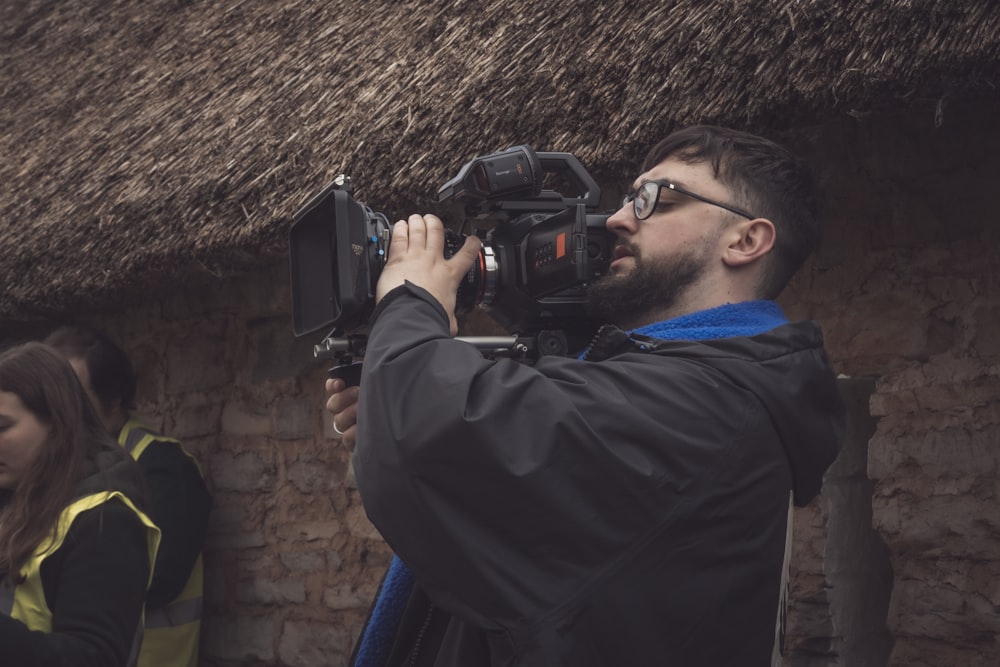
(416, 253)
(343, 405)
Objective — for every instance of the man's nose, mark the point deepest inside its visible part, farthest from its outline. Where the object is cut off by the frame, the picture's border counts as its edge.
(623, 220)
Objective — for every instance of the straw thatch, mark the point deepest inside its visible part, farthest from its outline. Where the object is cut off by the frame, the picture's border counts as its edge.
(148, 143)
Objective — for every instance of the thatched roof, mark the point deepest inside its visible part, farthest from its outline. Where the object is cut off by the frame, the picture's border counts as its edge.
(147, 143)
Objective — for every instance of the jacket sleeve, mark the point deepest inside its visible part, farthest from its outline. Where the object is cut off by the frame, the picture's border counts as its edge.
(502, 485)
(179, 505)
(94, 586)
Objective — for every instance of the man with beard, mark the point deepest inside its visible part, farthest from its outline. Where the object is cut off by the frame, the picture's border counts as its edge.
(631, 507)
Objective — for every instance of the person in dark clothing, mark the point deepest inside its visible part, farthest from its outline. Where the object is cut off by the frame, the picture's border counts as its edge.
(179, 499)
(76, 548)
(631, 506)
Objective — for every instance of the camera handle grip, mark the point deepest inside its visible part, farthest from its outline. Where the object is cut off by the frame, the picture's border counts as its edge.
(346, 350)
(349, 372)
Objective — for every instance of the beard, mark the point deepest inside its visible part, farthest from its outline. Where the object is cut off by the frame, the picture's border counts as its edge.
(652, 287)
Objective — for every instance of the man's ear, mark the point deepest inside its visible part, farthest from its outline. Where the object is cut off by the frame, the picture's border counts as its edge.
(748, 241)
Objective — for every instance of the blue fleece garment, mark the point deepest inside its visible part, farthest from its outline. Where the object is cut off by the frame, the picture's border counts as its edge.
(732, 320)
(747, 318)
(375, 644)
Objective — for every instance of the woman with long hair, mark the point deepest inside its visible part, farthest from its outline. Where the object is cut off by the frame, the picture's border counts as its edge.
(76, 549)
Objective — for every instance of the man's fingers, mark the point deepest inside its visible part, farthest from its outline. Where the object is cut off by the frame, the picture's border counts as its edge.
(469, 252)
(400, 240)
(435, 232)
(417, 230)
(341, 400)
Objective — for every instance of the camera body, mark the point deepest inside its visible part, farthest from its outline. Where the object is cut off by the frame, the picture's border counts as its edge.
(540, 248)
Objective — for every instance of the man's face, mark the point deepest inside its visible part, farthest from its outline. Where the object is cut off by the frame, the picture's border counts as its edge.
(661, 262)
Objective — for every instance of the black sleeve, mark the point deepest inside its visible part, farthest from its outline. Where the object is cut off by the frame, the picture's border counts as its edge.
(179, 505)
(505, 487)
(94, 585)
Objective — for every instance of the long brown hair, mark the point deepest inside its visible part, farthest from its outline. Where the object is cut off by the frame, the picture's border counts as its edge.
(47, 386)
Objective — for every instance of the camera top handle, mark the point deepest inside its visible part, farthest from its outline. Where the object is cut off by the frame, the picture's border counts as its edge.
(513, 180)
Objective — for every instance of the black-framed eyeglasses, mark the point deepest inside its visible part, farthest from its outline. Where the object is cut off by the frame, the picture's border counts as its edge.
(646, 199)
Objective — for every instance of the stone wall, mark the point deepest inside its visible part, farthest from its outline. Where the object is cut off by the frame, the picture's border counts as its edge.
(841, 576)
(907, 289)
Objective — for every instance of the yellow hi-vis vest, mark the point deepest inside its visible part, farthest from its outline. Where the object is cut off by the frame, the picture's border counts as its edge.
(26, 601)
(172, 631)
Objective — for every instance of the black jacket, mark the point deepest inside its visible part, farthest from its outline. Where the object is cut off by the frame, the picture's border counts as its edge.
(179, 504)
(630, 511)
(94, 583)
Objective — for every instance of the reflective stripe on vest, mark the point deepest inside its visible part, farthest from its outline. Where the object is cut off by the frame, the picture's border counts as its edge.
(27, 599)
(136, 436)
(172, 631)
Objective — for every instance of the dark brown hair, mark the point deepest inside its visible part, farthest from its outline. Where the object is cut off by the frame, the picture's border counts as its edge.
(111, 374)
(47, 386)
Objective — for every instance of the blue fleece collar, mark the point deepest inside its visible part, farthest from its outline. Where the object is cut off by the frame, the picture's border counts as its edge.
(747, 318)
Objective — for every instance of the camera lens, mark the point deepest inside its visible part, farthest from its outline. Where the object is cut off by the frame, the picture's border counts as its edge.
(470, 291)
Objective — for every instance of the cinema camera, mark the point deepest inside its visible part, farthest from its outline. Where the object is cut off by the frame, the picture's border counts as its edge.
(540, 250)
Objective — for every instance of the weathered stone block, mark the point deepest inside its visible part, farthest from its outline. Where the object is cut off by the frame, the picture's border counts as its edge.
(304, 561)
(293, 419)
(350, 596)
(201, 303)
(271, 293)
(267, 591)
(197, 364)
(196, 420)
(238, 421)
(359, 525)
(947, 453)
(237, 541)
(987, 338)
(311, 476)
(238, 637)
(276, 354)
(309, 531)
(314, 644)
(917, 652)
(246, 471)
